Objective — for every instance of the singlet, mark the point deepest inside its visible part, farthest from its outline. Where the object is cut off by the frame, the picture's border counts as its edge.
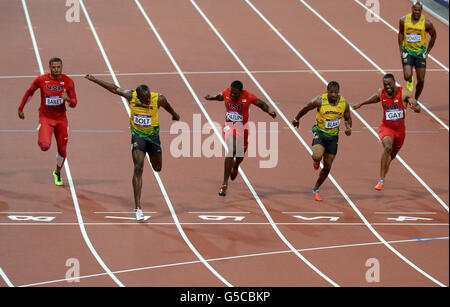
(328, 118)
(415, 36)
(144, 118)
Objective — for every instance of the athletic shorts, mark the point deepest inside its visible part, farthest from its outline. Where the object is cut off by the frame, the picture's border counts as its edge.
(329, 142)
(150, 144)
(239, 131)
(418, 61)
(397, 136)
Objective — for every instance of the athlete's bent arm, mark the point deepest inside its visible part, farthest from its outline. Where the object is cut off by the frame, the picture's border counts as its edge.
(409, 100)
(111, 87)
(373, 99)
(70, 96)
(162, 102)
(265, 107)
(401, 33)
(218, 97)
(429, 27)
(348, 121)
(313, 104)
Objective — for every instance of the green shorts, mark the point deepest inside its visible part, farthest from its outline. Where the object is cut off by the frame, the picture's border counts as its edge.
(150, 144)
(418, 61)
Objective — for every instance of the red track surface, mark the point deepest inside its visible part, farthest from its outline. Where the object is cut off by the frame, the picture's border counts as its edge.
(243, 253)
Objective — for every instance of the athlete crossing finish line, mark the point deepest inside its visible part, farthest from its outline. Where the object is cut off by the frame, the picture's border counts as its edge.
(394, 101)
(56, 89)
(144, 126)
(235, 131)
(331, 108)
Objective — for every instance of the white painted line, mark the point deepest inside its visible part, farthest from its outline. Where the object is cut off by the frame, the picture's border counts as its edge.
(112, 212)
(26, 212)
(158, 179)
(405, 213)
(5, 278)
(232, 258)
(314, 212)
(222, 223)
(219, 212)
(66, 164)
(125, 218)
(330, 177)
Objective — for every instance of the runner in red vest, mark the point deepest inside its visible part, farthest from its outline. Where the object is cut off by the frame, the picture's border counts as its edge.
(394, 101)
(237, 103)
(56, 89)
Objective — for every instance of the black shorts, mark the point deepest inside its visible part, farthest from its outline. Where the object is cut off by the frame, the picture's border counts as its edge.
(330, 143)
(418, 61)
(150, 144)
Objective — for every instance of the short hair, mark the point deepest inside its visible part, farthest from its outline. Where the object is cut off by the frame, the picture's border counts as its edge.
(54, 59)
(333, 84)
(389, 76)
(141, 89)
(237, 85)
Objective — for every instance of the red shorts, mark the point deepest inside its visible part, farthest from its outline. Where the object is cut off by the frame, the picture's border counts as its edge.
(238, 130)
(50, 126)
(397, 136)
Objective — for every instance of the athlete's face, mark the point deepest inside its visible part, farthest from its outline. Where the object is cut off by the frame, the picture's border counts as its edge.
(389, 85)
(333, 94)
(235, 94)
(55, 69)
(416, 11)
(144, 97)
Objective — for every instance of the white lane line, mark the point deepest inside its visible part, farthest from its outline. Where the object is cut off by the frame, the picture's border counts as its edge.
(441, 202)
(232, 258)
(368, 59)
(220, 223)
(5, 278)
(158, 179)
(363, 218)
(66, 166)
(244, 177)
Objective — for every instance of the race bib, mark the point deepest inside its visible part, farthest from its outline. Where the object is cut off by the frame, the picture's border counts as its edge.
(142, 120)
(394, 114)
(51, 101)
(234, 116)
(332, 123)
(413, 38)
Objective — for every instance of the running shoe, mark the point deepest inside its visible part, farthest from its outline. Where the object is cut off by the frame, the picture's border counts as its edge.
(316, 165)
(234, 174)
(223, 190)
(316, 195)
(139, 215)
(410, 84)
(379, 185)
(58, 179)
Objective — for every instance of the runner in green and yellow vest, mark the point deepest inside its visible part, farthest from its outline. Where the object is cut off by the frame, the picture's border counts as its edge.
(331, 109)
(412, 41)
(144, 126)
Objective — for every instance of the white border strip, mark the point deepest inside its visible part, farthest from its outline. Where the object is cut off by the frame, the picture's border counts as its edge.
(66, 167)
(161, 185)
(3, 275)
(244, 177)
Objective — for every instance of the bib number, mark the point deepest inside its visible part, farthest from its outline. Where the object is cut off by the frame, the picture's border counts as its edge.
(51, 101)
(332, 123)
(234, 117)
(142, 120)
(413, 38)
(393, 115)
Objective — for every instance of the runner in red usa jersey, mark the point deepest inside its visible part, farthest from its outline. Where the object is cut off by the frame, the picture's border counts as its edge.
(237, 104)
(394, 101)
(57, 90)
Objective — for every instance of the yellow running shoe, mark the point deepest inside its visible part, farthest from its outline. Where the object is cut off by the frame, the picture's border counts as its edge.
(58, 179)
(410, 84)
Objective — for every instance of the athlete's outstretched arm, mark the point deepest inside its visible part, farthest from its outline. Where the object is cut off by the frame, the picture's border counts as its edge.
(218, 97)
(265, 107)
(111, 87)
(372, 99)
(162, 102)
(313, 104)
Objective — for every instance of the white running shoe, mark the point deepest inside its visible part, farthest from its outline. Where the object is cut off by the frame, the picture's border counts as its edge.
(139, 215)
